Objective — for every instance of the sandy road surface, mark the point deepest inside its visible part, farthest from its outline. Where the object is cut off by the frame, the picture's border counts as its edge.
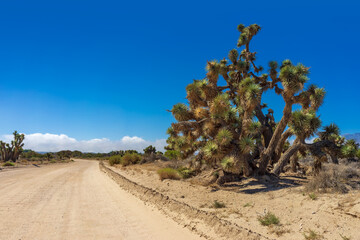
(76, 201)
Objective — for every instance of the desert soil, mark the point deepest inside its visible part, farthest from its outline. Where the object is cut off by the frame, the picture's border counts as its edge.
(76, 201)
(331, 216)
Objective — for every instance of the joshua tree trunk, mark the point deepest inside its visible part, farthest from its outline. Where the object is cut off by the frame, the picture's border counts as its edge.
(280, 145)
(286, 157)
(294, 162)
(241, 165)
(247, 170)
(267, 130)
(334, 159)
(5, 152)
(267, 154)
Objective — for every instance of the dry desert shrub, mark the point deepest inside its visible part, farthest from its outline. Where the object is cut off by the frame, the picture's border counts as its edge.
(335, 178)
(169, 173)
(278, 230)
(312, 235)
(217, 204)
(130, 158)
(269, 219)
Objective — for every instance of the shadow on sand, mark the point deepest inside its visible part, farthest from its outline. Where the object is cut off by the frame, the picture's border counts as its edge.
(264, 184)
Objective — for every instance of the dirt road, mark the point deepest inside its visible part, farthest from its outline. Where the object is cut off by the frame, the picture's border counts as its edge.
(76, 201)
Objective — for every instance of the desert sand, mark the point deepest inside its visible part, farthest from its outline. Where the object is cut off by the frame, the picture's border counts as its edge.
(331, 216)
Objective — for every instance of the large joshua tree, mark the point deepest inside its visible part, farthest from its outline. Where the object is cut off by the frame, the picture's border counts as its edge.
(226, 126)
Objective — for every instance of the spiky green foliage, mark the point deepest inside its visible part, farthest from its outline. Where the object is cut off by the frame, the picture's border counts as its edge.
(350, 149)
(181, 112)
(172, 154)
(304, 124)
(225, 126)
(211, 149)
(220, 106)
(247, 145)
(224, 137)
(228, 162)
(330, 132)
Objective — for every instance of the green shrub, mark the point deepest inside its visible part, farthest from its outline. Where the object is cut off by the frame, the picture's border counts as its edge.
(53, 161)
(116, 159)
(269, 219)
(130, 158)
(217, 204)
(9, 164)
(169, 173)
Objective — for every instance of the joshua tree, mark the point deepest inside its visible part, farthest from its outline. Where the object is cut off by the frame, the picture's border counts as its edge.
(48, 156)
(149, 150)
(226, 126)
(12, 151)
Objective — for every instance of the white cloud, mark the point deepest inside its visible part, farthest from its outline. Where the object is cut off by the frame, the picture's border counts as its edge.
(56, 142)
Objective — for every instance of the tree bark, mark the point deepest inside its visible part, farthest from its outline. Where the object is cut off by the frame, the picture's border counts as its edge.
(280, 145)
(294, 162)
(267, 130)
(266, 155)
(286, 157)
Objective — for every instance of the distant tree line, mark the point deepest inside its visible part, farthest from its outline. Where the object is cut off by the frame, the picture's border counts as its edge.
(12, 152)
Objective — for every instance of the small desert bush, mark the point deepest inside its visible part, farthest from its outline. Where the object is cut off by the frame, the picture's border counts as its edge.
(116, 159)
(130, 158)
(334, 178)
(169, 173)
(9, 164)
(269, 219)
(217, 204)
(312, 196)
(312, 235)
(53, 161)
(248, 205)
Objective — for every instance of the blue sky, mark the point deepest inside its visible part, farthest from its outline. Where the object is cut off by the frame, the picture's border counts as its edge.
(109, 69)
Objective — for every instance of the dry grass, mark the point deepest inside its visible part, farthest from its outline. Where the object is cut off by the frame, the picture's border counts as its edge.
(169, 173)
(312, 235)
(334, 178)
(248, 205)
(217, 204)
(278, 230)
